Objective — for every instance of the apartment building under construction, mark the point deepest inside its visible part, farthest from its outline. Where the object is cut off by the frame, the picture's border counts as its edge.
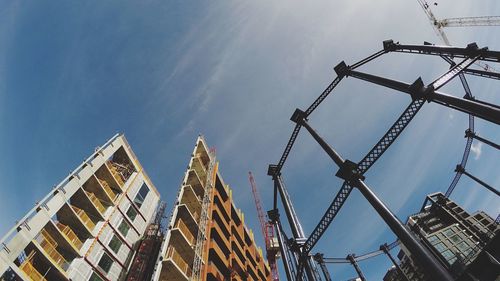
(88, 227)
(207, 237)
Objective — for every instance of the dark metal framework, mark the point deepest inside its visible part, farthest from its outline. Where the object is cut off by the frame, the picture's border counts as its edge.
(296, 251)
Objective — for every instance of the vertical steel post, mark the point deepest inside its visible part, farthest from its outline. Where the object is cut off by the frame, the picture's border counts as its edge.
(384, 248)
(351, 258)
(422, 255)
(284, 254)
(293, 220)
(319, 259)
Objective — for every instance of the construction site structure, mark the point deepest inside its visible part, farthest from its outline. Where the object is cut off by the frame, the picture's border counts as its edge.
(267, 228)
(467, 245)
(205, 204)
(147, 253)
(89, 225)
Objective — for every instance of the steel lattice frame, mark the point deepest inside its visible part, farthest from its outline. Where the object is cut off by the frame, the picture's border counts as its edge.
(298, 249)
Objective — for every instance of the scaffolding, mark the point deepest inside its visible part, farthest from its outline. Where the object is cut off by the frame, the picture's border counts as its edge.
(200, 240)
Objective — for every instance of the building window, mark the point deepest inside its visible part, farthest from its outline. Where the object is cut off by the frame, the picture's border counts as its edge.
(440, 247)
(432, 239)
(115, 243)
(95, 277)
(105, 262)
(131, 213)
(124, 228)
(455, 239)
(449, 232)
(141, 195)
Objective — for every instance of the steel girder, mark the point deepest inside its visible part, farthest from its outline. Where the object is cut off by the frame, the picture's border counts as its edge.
(470, 54)
(373, 155)
(470, 51)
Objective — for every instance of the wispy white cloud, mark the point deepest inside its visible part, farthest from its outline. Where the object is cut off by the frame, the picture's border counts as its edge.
(476, 149)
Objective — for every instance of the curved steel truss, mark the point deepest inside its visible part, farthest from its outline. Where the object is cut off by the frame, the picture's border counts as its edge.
(296, 251)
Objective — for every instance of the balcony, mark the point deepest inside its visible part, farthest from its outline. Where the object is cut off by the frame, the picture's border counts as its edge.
(184, 241)
(70, 235)
(97, 202)
(30, 271)
(195, 182)
(107, 189)
(96, 186)
(84, 217)
(113, 168)
(175, 267)
(190, 219)
(49, 246)
(200, 170)
(190, 199)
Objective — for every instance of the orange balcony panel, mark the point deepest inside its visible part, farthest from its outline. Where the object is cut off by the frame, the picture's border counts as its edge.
(214, 246)
(212, 270)
(225, 224)
(107, 189)
(84, 217)
(97, 203)
(30, 271)
(49, 246)
(220, 233)
(115, 173)
(70, 235)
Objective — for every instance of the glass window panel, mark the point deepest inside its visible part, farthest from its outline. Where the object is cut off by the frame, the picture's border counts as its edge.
(95, 277)
(455, 238)
(131, 213)
(124, 228)
(447, 254)
(449, 232)
(432, 239)
(115, 243)
(463, 246)
(105, 262)
(141, 195)
(440, 247)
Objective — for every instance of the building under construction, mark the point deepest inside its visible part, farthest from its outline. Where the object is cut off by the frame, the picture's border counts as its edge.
(89, 226)
(467, 245)
(207, 238)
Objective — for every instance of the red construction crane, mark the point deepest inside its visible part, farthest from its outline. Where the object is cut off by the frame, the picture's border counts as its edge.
(267, 229)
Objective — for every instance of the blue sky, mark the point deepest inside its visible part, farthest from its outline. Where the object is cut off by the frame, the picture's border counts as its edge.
(72, 74)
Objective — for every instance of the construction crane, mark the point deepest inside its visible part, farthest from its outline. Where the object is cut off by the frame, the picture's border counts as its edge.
(272, 248)
(439, 25)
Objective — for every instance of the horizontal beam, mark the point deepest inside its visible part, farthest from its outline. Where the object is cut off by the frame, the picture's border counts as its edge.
(470, 51)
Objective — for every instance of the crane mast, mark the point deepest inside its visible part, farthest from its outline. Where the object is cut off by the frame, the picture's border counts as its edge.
(267, 230)
(439, 25)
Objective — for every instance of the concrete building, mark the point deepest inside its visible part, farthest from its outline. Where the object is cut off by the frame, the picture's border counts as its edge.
(229, 251)
(467, 245)
(88, 226)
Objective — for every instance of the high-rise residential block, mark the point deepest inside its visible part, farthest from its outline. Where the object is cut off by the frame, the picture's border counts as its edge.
(467, 245)
(88, 227)
(207, 237)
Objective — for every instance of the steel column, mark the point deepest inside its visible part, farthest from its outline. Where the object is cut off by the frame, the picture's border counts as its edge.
(384, 248)
(319, 259)
(351, 258)
(462, 170)
(293, 220)
(284, 254)
(421, 254)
